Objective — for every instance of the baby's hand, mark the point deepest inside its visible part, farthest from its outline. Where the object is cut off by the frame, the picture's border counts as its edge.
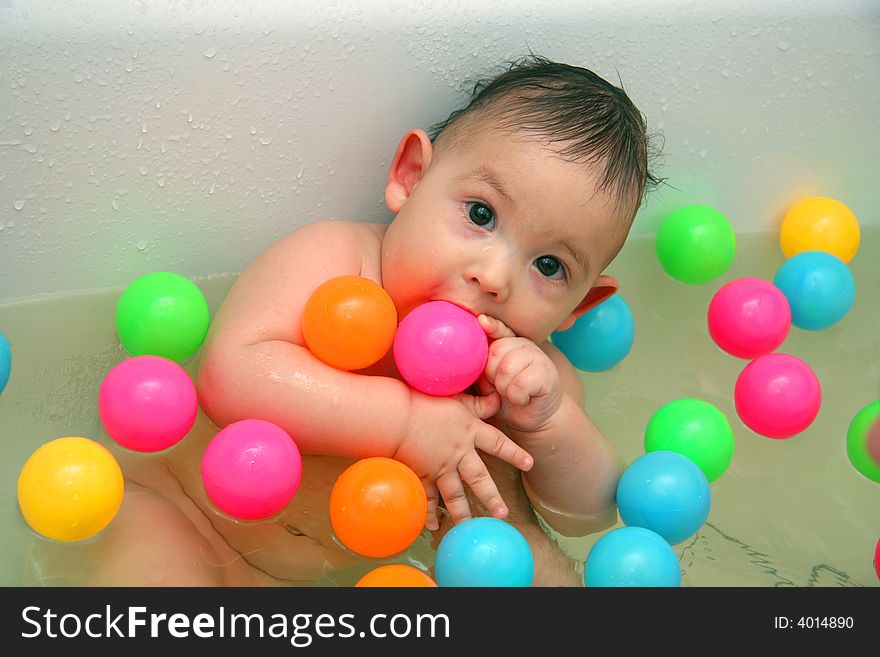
(443, 435)
(524, 376)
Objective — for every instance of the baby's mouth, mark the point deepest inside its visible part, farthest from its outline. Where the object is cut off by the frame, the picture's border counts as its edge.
(465, 306)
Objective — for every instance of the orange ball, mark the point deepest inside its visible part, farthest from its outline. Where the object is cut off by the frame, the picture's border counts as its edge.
(818, 223)
(396, 574)
(349, 322)
(378, 507)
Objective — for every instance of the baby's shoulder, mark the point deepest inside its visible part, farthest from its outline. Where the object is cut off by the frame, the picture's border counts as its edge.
(350, 245)
(340, 233)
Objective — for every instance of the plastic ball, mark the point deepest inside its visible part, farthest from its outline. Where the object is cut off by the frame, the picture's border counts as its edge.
(749, 317)
(819, 287)
(484, 552)
(600, 338)
(777, 395)
(872, 441)
(70, 489)
(5, 362)
(162, 314)
(440, 348)
(877, 559)
(397, 575)
(665, 492)
(147, 403)
(865, 422)
(632, 556)
(695, 244)
(378, 507)
(819, 223)
(693, 428)
(349, 322)
(251, 469)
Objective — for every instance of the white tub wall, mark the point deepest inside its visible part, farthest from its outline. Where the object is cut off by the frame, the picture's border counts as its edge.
(187, 136)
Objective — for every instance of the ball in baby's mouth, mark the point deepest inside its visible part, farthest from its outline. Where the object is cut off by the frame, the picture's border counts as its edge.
(440, 348)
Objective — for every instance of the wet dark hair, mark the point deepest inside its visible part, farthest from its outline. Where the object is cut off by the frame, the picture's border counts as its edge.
(584, 117)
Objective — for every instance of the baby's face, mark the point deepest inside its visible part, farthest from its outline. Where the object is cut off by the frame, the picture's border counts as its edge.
(502, 225)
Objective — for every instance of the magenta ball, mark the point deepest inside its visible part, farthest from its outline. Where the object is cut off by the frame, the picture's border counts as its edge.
(147, 403)
(440, 348)
(251, 469)
(777, 395)
(749, 317)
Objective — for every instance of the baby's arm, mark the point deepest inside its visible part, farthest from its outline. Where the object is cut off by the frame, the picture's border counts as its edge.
(574, 479)
(255, 364)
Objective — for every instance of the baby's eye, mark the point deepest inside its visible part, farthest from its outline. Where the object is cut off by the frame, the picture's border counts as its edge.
(480, 214)
(550, 267)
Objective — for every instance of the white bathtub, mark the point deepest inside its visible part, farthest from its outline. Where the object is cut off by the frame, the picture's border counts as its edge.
(186, 136)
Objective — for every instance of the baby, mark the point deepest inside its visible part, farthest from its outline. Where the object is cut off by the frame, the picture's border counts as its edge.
(511, 208)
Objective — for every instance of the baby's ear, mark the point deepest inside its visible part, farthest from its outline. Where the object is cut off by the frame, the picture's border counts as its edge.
(410, 162)
(604, 287)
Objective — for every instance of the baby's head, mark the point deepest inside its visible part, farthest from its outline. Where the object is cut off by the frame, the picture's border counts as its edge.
(515, 205)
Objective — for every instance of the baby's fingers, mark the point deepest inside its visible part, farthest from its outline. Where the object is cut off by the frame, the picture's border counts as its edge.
(497, 443)
(495, 328)
(484, 406)
(432, 522)
(456, 500)
(474, 473)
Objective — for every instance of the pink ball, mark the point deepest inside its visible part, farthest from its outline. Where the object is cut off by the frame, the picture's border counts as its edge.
(147, 403)
(440, 348)
(749, 317)
(251, 469)
(777, 395)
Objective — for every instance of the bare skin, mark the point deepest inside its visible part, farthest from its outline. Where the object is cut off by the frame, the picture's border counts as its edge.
(516, 269)
(504, 228)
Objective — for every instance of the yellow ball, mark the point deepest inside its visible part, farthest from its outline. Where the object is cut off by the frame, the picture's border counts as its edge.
(819, 223)
(70, 489)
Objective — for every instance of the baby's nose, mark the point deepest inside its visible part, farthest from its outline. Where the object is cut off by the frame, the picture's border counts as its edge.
(492, 277)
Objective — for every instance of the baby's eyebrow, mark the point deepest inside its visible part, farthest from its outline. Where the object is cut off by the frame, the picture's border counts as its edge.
(580, 257)
(484, 174)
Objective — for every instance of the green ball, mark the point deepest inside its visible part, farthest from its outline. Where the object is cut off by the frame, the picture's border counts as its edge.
(162, 314)
(693, 428)
(695, 244)
(856, 441)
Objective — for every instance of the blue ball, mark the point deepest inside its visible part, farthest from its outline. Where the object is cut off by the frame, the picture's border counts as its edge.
(819, 288)
(5, 361)
(665, 492)
(600, 338)
(484, 552)
(632, 556)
